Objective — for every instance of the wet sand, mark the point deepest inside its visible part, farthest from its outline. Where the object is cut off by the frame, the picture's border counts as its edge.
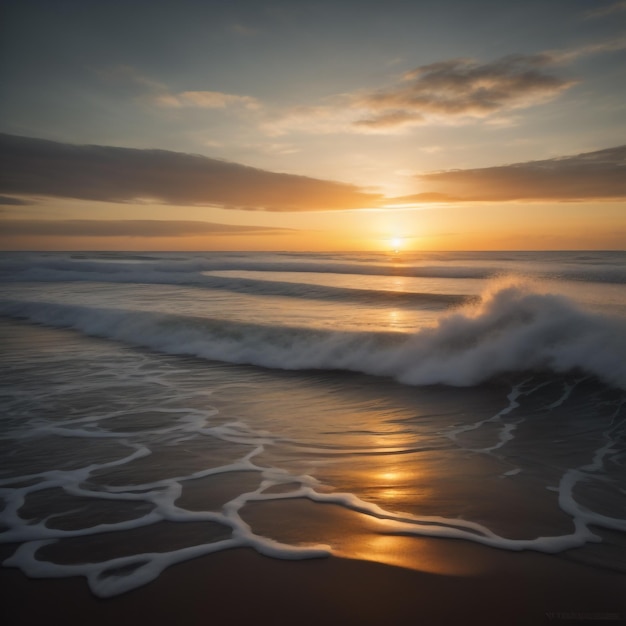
(243, 587)
(375, 577)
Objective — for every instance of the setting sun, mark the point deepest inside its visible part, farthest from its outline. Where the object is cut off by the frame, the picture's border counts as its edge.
(396, 243)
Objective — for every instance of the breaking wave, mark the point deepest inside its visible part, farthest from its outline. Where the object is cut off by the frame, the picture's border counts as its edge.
(513, 327)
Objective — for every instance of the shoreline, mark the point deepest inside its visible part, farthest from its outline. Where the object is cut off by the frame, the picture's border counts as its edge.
(240, 587)
(401, 579)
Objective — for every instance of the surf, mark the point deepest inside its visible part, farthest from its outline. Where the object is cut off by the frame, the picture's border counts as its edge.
(513, 327)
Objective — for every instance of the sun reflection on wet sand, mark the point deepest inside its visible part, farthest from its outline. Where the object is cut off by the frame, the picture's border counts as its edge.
(356, 536)
(421, 554)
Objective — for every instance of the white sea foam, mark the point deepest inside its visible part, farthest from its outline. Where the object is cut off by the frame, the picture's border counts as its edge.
(113, 576)
(516, 328)
(106, 579)
(513, 328)
(102, 576)
(505, 433)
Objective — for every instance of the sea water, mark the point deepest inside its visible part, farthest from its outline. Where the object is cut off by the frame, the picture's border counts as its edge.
(162, 406)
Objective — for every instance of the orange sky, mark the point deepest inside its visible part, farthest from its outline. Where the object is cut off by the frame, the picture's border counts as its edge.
(313, 126)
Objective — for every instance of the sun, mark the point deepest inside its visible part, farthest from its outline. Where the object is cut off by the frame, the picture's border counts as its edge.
(396, 243)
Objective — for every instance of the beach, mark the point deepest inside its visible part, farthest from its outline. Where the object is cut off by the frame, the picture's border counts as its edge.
(183, 442)
(242, 587)
(312, 313)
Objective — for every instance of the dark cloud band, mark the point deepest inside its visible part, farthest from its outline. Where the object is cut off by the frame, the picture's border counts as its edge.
(128, 228)
(8, 201)
(599, 175)
(39, 167)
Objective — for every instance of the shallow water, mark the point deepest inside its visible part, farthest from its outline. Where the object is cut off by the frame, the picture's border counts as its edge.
(151, 417)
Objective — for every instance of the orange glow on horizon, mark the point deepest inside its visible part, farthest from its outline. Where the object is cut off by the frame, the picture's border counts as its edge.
(398, 233)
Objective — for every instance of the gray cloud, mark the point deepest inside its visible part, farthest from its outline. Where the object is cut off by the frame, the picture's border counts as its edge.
(462, 88)
(157, 93)
(128, 228)
(453, 91)
(447, 92)
(7, 200)
(611, 9)
(31, 166)
(205, 100)
(599, 175)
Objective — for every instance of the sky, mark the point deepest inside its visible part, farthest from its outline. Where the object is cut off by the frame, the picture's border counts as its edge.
(312, 125)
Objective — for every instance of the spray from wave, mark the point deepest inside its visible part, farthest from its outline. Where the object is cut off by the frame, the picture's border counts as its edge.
(513, 327)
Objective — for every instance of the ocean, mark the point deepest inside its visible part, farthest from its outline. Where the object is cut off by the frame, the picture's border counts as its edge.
(158, 407)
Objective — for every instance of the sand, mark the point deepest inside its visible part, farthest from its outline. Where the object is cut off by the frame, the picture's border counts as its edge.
(375, 578)
(243, 587)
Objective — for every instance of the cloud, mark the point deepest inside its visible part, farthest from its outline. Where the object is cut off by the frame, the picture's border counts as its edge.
(338, 117)
(243, 29)
(610, 9)
(129, 228)
(428, 197)
(31, 166)
(454, 91)
(447, 92)
(204, 100)
(7, 200)
(462, 88)
(157, 93)
(571, 54)
(599, 175)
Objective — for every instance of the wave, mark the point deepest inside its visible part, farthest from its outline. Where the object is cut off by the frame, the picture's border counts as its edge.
(309, 291)
(74, 268)
(513, 327)
(251, 286)
(179, 273)
(171, 268)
